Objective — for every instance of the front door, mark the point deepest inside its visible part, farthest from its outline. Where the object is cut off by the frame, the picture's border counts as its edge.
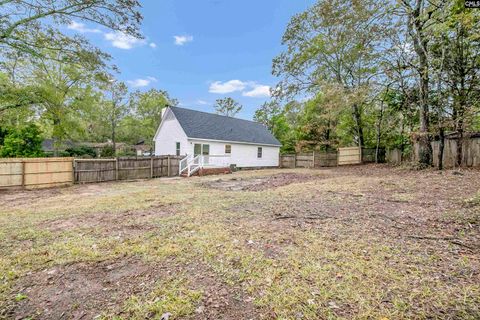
(197, 149)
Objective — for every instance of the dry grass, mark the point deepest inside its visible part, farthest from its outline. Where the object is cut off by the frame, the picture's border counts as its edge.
(359, 242)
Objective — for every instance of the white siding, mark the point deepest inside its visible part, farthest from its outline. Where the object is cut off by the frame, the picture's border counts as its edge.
(243, 155)
(168, 134)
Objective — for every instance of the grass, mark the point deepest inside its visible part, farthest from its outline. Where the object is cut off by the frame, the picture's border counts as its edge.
(350, 262)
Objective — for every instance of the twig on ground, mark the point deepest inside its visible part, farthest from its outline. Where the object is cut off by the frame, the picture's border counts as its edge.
(449, 239)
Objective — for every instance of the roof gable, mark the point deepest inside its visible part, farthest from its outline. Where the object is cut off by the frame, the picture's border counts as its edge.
(203, 125)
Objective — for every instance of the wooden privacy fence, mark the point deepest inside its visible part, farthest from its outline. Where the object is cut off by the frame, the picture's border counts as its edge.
(351, 155)
(35, 172)
(393, 156)
(50, 172)
(470, 146)
(100, 170)
(369, 155)
(470, 154)
(309, 160)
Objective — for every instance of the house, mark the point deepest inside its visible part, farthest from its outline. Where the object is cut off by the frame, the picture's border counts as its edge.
(49, 147)
(142, 149)
(212, 140)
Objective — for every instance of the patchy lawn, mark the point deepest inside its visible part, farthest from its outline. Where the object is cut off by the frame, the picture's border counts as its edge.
(359, 242)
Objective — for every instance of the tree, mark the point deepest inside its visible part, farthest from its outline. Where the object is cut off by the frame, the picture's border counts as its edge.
(20, 18)
(274, 117)
(22, 142)
(114, 109)
(335, 42)
(66, 90)
(145, 113)
(455, 55)
(227, 107)
(317, 123)
(267, 114)
(419, 14)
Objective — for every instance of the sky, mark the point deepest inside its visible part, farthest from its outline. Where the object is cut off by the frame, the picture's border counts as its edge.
(201, 50)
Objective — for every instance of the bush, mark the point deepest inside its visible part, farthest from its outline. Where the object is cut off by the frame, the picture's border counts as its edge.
(80, 151)
(126, 153)
(24, 142)
(3, 133)
(107, 151)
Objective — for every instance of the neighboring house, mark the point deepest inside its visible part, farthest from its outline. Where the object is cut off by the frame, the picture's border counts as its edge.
(121, 147)
(219, 140)
(49, 147)
(142, 149)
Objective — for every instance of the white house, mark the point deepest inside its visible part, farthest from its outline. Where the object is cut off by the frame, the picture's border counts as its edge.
(212, 140)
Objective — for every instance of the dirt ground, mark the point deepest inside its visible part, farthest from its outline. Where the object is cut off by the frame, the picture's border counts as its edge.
(355, 242)
(258, 184)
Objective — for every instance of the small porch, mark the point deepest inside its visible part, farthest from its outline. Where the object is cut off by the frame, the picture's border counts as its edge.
(191, 164)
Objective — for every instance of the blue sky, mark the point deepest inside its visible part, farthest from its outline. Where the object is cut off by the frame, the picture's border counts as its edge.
(202, 50)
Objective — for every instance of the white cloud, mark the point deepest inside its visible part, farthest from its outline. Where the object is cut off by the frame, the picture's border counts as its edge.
(123, 41)
(152, 45)
(248, 88)
(202, 102)
(80, 27)
(258, 91)
(181, 40)
(139, 83)
(227, 87)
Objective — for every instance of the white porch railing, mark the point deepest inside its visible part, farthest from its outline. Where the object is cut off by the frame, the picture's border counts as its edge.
(183, 164)
(222, 161)
(191, 164)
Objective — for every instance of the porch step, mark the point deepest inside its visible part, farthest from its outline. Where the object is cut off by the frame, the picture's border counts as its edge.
(185, 174)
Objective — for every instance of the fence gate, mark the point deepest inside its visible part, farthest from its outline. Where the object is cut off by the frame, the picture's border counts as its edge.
(349, 156)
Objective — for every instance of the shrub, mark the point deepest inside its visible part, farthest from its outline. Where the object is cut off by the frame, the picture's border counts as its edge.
(80, 151)
(107, 151)
(23, 142)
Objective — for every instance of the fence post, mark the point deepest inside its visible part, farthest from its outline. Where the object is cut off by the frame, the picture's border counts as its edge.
(116, 168)
(151, 167)
(168, 166)
(73, 171)
(23, 173)
(313, 159)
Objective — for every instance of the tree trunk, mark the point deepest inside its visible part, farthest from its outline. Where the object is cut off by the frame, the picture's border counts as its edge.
(379, 132)
(459, 123)
(459, 148)
(358, 123)
(114, 143)
(56, 136)
(420, 42)
(425, 147)
(441, 147)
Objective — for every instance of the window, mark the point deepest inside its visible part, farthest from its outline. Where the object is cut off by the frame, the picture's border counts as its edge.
(205, 149)
(228, 149)
(259, 152)
(177, 148)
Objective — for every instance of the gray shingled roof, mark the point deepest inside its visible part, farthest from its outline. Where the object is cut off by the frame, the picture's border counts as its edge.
(203, 125)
